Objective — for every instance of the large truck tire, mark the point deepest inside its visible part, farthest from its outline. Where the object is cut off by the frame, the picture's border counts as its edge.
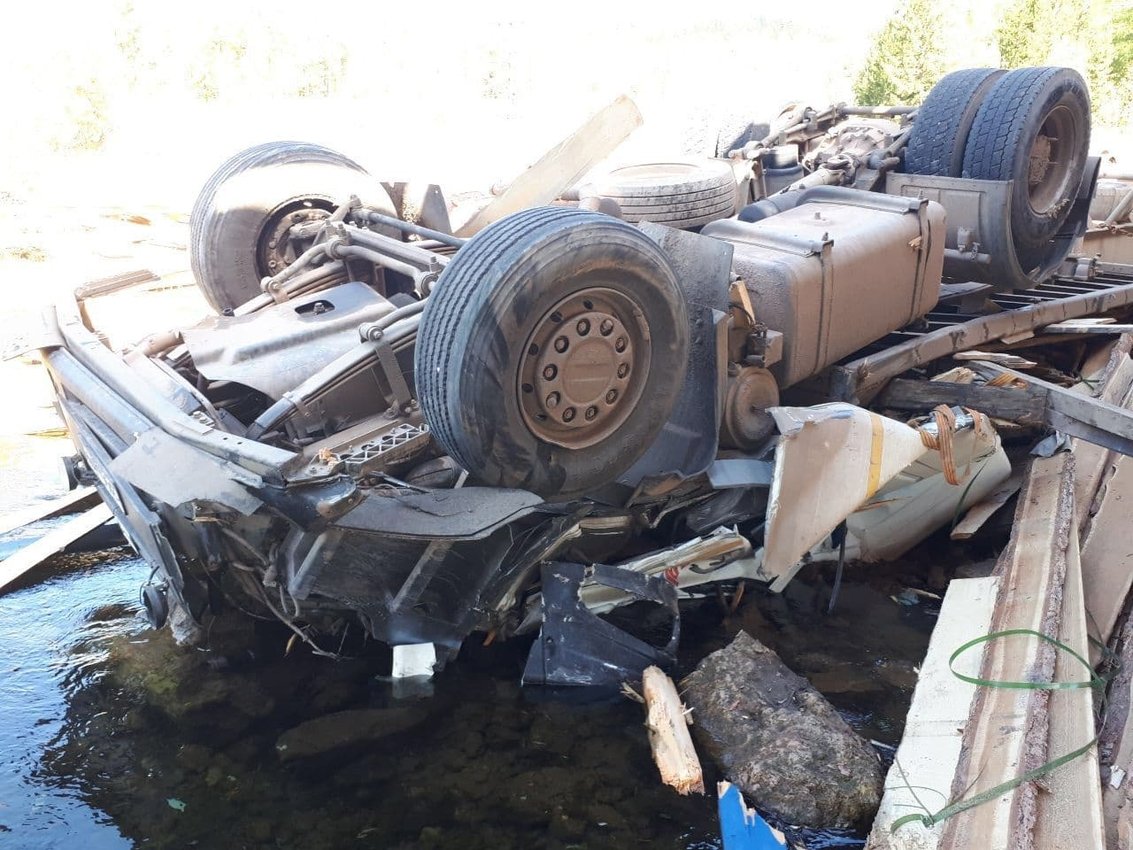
(680, 194)
(1033, 127)
(245, 207)
(940, 131)
(551, 351)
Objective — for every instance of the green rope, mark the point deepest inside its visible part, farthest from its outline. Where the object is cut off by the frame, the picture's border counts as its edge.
(928, 819)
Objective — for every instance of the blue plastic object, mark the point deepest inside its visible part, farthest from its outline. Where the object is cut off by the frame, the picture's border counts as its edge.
(742, 828)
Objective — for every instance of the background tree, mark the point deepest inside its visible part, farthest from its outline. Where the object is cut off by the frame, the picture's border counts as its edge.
(906, 58)
(1099, 43)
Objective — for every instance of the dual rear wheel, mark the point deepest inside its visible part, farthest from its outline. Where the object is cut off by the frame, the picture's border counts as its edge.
(1029, 125)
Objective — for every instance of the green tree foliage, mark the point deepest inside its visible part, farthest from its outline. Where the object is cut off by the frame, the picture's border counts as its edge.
(907, 57)
(1039, 32)
(1029, 30)
(1121, 67)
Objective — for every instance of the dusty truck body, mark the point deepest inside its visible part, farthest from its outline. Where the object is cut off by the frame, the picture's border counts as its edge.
(390, 428)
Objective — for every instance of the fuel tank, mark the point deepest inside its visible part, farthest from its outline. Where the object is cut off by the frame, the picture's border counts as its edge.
(837, 270)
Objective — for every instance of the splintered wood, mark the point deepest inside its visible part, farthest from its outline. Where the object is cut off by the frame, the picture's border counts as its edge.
(669, 738)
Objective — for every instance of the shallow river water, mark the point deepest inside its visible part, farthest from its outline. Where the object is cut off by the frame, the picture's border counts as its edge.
(110, 737)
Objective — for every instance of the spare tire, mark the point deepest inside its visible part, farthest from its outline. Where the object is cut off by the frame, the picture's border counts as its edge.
(249, 202)
(940, 131)
(551, 351)
(1034, 128)
(679, 194)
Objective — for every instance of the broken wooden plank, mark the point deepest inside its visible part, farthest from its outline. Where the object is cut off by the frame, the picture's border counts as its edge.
(16, 565)
(669, 737)
(1024, 405)
(563, 165)
(1088, 326)
(930, 746)
(114, 283)
(1109, 379)
(1107, 552)
(1003, 358)
(1007, 730)
(76, 500)
(1070, 809)
(985, 508)
(1116, 746)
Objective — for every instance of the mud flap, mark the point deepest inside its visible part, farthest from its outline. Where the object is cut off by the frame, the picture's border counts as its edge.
(575, 647)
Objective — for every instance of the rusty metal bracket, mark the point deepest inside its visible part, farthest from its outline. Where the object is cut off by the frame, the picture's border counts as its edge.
(392, 370)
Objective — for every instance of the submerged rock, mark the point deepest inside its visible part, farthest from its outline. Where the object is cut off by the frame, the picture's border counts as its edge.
(779, 740)
(346, 730)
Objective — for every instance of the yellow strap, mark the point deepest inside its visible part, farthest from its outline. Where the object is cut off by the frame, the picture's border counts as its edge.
(877, 446)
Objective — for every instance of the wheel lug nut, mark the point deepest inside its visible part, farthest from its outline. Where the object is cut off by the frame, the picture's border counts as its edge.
(591, 412)
(553, 400)
(623, 370)
(583, 327)
(607, 327)
(611, 396)
(620, 344)
(568, 414)
(561, 344)
(549, 372)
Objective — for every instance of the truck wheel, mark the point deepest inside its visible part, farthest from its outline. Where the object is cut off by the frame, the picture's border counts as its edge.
(678, 194)
(940, 131)
(551, 351)
(238, 227)
(1034, 128)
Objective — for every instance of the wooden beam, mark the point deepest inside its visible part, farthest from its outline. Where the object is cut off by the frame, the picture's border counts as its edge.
(926, 760)
(16, 565)
(1088, 418)
(76, 500)
(1024, 405)
(1070, 809)
(563, 165)
(1007, 730)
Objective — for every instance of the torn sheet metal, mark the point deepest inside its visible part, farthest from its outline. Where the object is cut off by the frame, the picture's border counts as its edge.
(174, 472)
(697, 561)
(575, 647)
(278, 348)
(467, 513)
(830, 459)
(921, 499)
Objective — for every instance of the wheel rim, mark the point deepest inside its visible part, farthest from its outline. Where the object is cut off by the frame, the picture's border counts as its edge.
(1050, 160)
(583, 367)
(274, 249)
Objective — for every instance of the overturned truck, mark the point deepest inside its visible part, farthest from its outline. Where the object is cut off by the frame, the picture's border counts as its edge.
(388, 426)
